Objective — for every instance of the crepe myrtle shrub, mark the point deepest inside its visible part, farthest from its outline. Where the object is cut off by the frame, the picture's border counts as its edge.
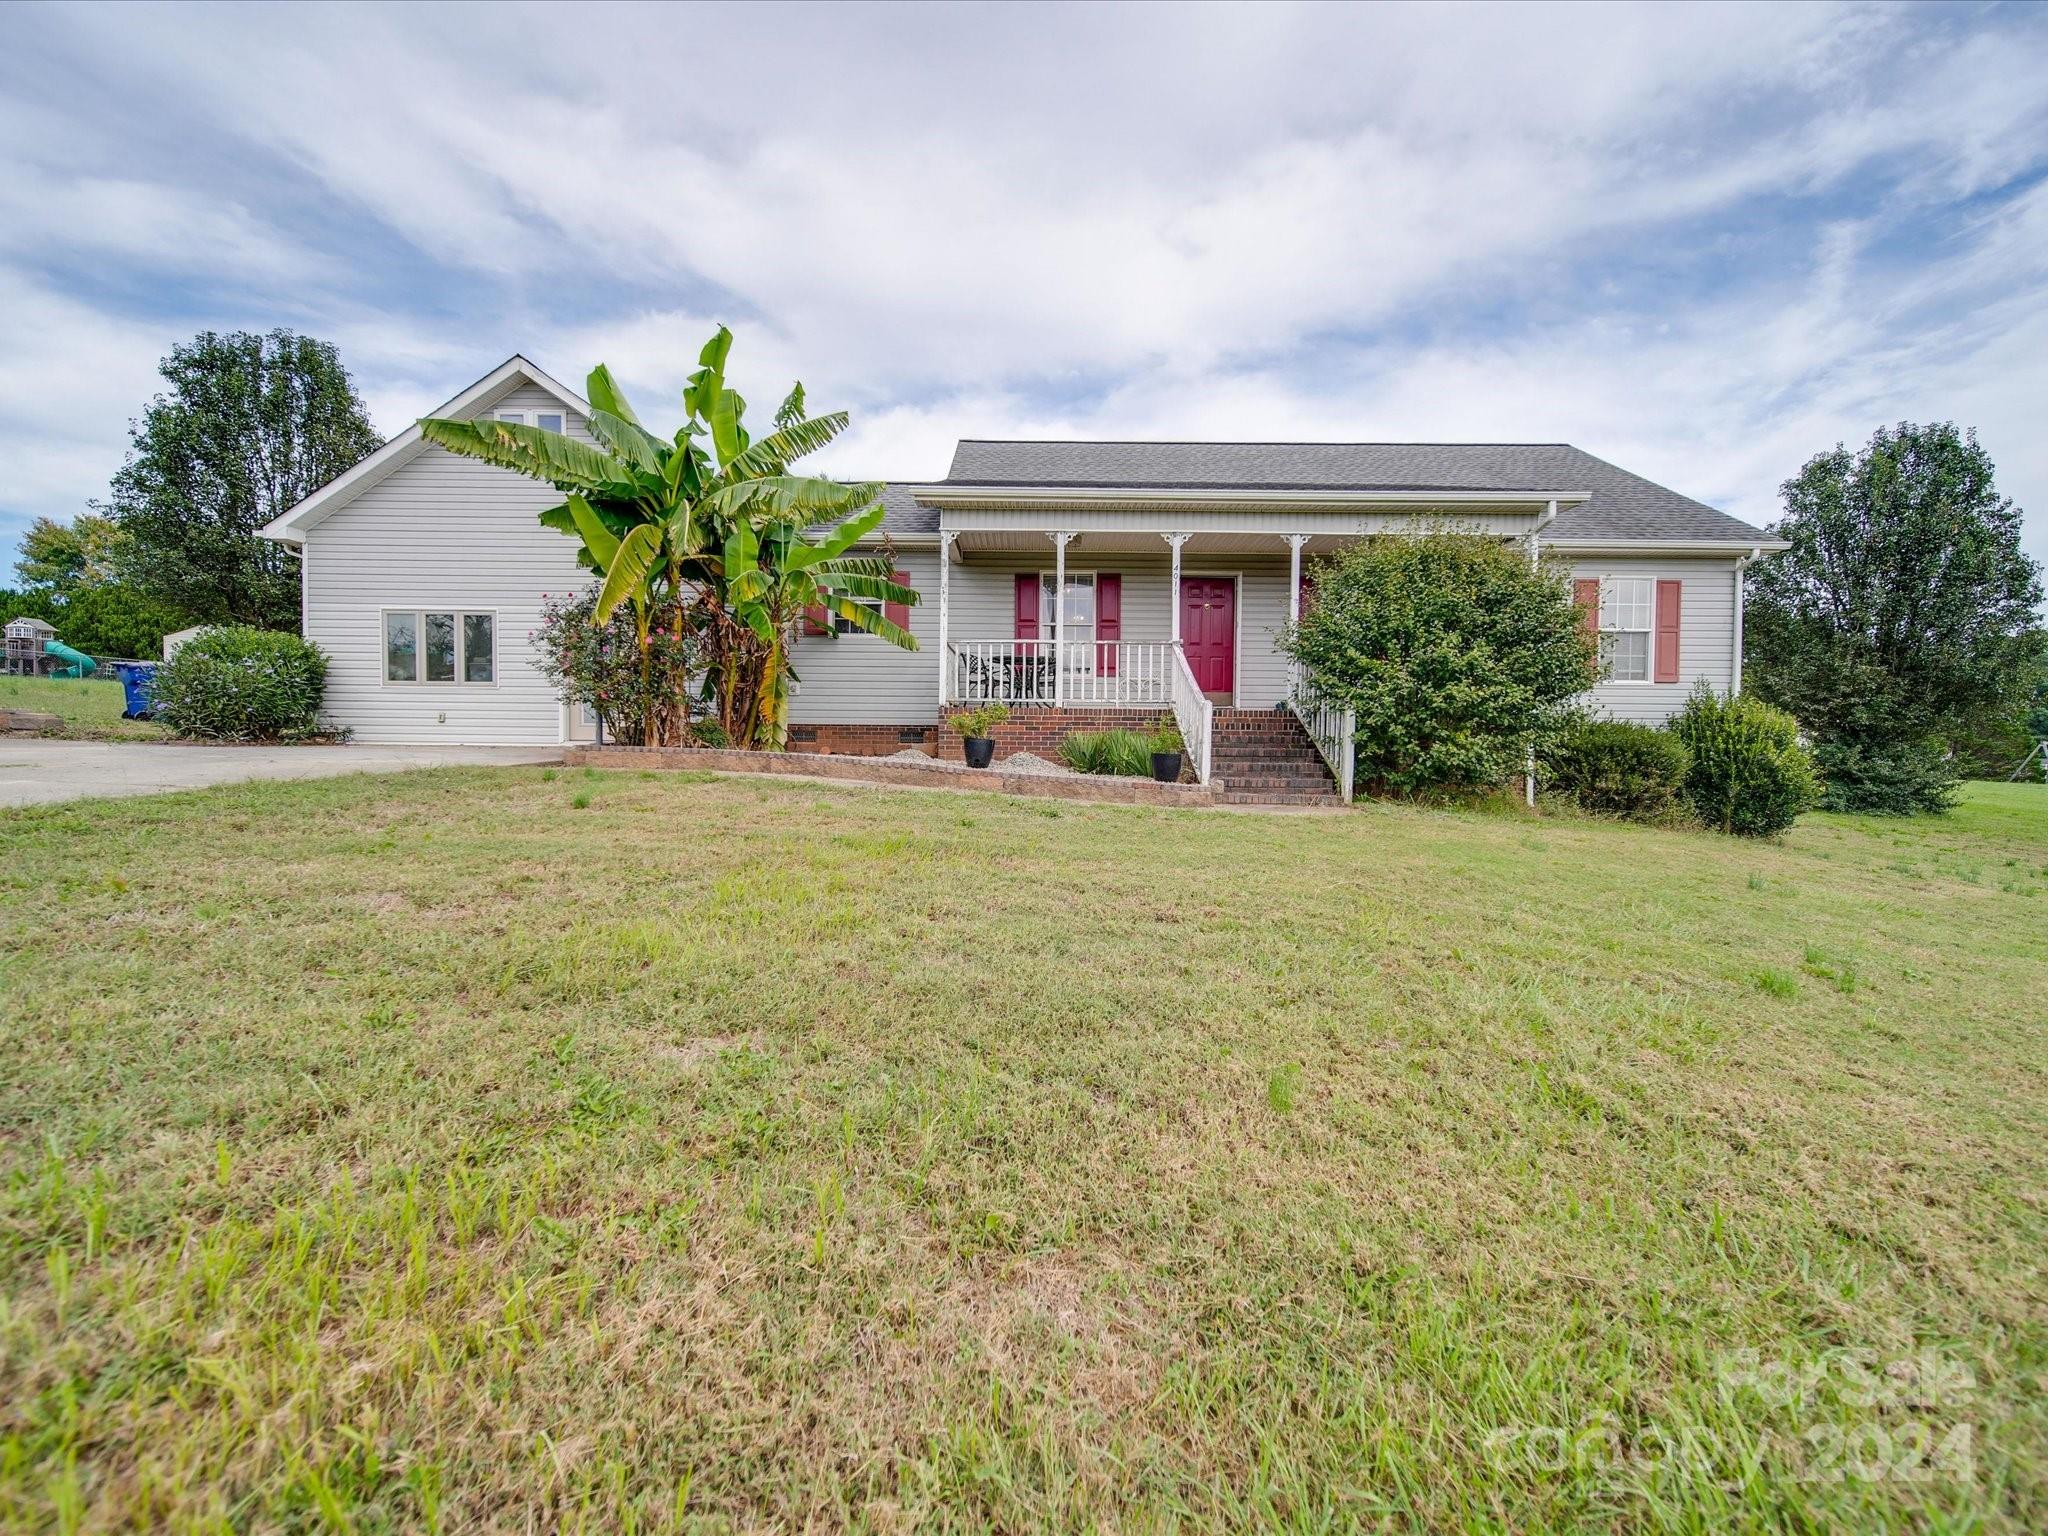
(1749, 774)
(1456, 654)
(1615, 768)
(235, 683)
(598, 665)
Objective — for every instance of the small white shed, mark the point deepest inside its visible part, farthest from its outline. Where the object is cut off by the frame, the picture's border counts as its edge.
(179, 636)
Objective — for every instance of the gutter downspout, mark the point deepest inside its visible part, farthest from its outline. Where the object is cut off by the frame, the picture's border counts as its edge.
(1741, 564)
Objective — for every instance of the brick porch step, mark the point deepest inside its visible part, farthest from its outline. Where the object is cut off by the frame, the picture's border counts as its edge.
(1264, 757)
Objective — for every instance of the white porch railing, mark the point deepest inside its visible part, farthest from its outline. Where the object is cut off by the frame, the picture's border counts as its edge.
(1088, 674)
(1193, 713)
(1335, 733)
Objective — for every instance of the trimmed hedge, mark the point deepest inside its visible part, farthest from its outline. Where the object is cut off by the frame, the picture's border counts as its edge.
(1613, 768)
(234, 683)
(1749, 774)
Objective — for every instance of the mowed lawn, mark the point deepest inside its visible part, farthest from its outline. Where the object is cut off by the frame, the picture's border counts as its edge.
(518, 1151)
(88, 706)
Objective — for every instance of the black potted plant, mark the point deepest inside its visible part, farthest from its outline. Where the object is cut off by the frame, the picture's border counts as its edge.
(974, 726)
(1167, 750)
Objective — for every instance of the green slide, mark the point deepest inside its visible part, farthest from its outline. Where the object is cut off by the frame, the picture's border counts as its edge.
(77, 663)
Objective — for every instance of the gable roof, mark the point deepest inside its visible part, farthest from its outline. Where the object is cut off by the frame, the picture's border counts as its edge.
(290, 527)
(1616, 505)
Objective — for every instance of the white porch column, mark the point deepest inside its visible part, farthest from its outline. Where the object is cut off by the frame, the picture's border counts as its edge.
(945, 600)
(1059, 619)
(1173, 543)
(1294, 543)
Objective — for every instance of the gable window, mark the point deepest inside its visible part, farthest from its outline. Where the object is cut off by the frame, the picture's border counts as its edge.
(440, 645)
(1627, 613)
(547, 421)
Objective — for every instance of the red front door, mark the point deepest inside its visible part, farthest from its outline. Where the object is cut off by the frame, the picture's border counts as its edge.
(1208, 630)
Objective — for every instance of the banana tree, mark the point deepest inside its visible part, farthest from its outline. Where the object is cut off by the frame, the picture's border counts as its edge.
(710, 518)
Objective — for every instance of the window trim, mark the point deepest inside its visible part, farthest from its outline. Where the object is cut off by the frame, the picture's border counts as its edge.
(419, 614)
(1648, 632)
(510, 418)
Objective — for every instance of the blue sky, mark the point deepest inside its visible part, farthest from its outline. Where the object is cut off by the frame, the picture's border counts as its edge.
(1702, 242)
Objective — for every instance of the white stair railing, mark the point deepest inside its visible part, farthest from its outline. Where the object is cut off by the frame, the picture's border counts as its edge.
(1333, 730)
(1192, 712)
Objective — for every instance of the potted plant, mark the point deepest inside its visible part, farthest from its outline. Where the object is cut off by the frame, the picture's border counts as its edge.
(1167, 750)
(974, 726)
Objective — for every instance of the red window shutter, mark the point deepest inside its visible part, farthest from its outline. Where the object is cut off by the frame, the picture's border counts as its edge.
(1586, 593)
(1109, 620)
(1667, 631)
(898, 613)
(1027, 606)
(816, 620)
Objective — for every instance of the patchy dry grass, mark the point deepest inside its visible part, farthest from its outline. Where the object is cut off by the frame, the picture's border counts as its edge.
(89, 706)
(429, 1153)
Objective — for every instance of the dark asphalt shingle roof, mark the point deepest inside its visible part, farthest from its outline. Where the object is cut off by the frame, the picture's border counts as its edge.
(1622, 505)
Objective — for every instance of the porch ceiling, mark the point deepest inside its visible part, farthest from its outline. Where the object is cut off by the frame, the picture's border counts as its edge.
(969, 543)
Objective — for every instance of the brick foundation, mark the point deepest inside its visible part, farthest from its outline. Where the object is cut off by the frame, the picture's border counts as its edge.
(1040, 731)
(862, 740)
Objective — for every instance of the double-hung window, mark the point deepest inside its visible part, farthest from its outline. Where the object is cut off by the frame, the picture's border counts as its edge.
(1628, 606)
(1072, 620)
(440, 645)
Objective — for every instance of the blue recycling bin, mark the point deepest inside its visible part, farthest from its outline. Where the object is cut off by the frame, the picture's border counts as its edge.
(136, 677)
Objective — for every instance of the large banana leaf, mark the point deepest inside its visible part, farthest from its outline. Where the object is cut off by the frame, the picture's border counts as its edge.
(868, 620)
(785, 445)
(832, 545)
(630, 441)
(602, 543)
(627, 572)
(605, 395)
(790, 498)
(548, 456)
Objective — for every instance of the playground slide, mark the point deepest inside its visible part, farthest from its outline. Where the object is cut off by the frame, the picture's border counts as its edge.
(77, 663)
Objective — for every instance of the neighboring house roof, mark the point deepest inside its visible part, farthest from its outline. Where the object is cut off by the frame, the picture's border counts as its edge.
(408, 445)
(1619, 506)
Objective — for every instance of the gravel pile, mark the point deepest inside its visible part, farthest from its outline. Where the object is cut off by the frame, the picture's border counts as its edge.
(1017, 762)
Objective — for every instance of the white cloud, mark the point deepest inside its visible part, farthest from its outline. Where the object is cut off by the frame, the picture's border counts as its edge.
(1695, 239)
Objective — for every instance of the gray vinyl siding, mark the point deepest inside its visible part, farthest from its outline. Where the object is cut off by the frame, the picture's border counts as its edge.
(860, 680)
(1706, 634)
(440, 532)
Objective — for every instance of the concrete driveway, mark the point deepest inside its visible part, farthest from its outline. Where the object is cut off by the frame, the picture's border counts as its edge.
(36, 770)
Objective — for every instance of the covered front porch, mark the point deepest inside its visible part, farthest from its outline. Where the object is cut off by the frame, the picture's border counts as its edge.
(1081, 619)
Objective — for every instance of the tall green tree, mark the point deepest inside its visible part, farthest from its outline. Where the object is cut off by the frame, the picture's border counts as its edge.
(250, 425)
(64, 557)
(1902, 617)
(711, 526)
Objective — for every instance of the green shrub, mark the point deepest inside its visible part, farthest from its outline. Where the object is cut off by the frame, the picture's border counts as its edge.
(1890, 779)
(1613, 768)
(708, 733)
(1749, 774)
(1166, 736)
(1126, 754)
(1455, 654)
(234, 683)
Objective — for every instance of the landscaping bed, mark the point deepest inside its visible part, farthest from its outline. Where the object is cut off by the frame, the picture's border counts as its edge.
(919, 771)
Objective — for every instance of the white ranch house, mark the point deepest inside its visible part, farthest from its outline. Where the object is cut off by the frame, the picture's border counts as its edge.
(1079, 582)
